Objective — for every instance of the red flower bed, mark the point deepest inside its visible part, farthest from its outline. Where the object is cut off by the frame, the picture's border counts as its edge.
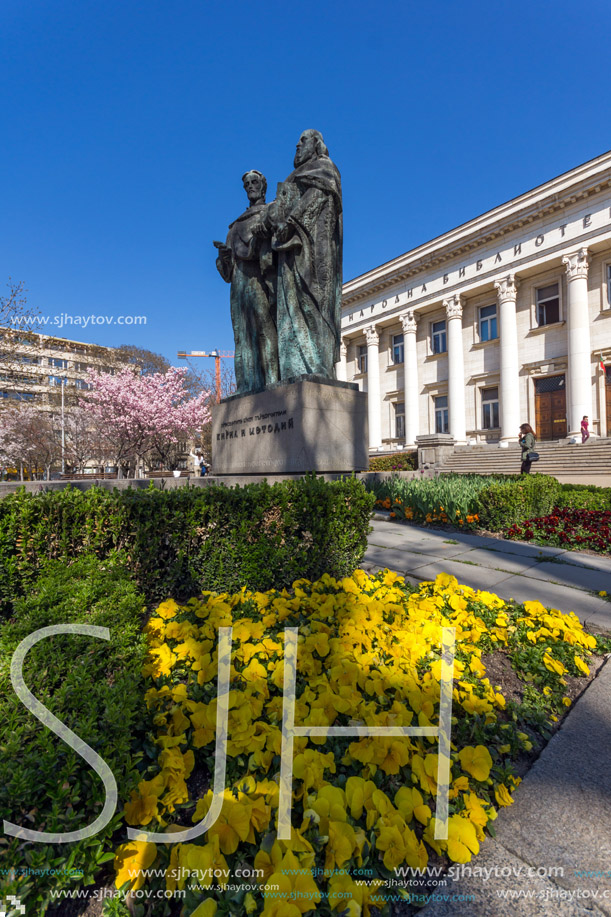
(574, 529)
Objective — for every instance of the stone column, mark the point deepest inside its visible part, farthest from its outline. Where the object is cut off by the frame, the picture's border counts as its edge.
(374, 408)
(410, 384)
(578, 322)
(456, 370)
(341, 370)
(507, 290)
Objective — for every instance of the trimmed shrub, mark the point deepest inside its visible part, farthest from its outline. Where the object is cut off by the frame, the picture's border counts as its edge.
(178, 542)
(584, 496)
(95, 688)
(401, 461)
(504, 503)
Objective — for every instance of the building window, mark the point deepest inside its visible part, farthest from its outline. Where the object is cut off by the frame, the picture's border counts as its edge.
(399, 420)
(441, 413)
(57, 380)
(57, 363)
(487, 323)
(609, 286)
(361, 358)
(490, 408)
(81, 367)
(18, 396)
(439, 342)
(548, 305)
(397, 348)
(80, 383)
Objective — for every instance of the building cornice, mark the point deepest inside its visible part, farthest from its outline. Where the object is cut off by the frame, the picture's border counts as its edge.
(552, 197)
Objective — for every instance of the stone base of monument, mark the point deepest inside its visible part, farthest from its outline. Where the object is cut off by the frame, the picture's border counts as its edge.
(307, 424)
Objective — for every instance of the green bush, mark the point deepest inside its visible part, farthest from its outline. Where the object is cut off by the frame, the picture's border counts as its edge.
(504, 503)
(583, 496)
(401, 461)
(94, 686)
(183, 540)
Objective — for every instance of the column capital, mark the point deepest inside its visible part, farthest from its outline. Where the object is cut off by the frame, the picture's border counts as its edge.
(577, 264)
(408, 321)
(453, 306)
(372, 336)
(343, 350)
(507, 288)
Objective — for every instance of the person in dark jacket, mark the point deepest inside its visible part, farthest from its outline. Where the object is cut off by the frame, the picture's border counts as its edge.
(527, 442)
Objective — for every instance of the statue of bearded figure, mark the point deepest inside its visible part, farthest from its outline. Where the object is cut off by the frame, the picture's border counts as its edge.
(305, 224)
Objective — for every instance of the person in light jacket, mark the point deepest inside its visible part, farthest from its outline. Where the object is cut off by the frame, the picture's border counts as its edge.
(527, 442)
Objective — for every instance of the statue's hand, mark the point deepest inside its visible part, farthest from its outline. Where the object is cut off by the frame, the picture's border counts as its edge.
(282, 233)
(259, 230)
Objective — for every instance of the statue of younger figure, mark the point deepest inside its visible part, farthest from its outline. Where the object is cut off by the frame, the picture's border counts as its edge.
(247, 263)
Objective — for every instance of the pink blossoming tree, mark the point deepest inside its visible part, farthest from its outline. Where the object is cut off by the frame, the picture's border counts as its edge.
(144, 416)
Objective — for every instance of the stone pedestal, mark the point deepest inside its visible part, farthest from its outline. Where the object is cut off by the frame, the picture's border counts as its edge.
(434, 449)
(309, 424)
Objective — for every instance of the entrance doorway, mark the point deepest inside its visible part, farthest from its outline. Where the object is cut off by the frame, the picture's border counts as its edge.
(550, 407)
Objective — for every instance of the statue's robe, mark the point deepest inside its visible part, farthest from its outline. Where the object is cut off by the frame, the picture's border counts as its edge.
(247, 263)
(310, 271)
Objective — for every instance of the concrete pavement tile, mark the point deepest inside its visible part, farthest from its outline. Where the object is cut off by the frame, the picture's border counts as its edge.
(601, 562)
(466, 574)
(474, 541)
(588, 608)
(499, 560)
(526, 550)
(572, 575)
(395, 558)
(562, 811)
(503, 890)
(390, 537)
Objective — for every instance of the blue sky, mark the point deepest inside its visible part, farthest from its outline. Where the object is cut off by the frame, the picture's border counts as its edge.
(127, 126)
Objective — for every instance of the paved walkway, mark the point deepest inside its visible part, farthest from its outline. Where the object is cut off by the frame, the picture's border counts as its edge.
(567, 580)
(552, 850)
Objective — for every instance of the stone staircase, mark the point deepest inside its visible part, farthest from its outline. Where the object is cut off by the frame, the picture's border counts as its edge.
(587, 463)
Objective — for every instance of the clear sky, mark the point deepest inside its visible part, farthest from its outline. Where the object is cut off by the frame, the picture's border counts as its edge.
(128, 125)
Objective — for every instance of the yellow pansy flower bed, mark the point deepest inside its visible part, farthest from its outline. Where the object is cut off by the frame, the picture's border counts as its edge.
(369, 653)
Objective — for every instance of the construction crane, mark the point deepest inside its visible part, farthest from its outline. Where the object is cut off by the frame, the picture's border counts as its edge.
(218, 356)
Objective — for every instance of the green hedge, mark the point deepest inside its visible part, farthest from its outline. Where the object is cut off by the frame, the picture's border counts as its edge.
(183, 540)
(93, 686)
(504, 503)
(584, 496)
(401, 461)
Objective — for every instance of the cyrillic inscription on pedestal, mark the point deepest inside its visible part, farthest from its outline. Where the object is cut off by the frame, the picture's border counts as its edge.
(292, 428)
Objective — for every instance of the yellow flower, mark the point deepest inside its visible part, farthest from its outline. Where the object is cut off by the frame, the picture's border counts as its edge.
(232, 825)
(476, 761)
(566, 701)
(503, 796)
(462, 839)
(167, 609)
(390, 841)
(581, 665)
(206, 909)
(554, 665)
(130, 861)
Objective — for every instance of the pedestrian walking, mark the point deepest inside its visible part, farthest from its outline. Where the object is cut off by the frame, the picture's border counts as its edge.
(585, 433)
(527, 442)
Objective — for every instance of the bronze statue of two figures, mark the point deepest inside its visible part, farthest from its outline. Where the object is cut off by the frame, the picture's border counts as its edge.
(284, 263)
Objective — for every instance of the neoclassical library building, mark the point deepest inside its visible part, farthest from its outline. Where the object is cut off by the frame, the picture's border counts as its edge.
(502, 321)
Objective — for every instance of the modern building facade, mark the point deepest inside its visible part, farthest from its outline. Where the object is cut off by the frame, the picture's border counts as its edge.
(502, 321)
(35, 366)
